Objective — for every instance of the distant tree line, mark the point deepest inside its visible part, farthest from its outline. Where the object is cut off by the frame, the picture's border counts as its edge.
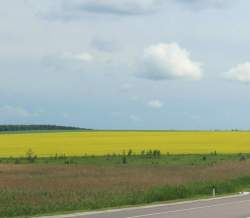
(4, 128)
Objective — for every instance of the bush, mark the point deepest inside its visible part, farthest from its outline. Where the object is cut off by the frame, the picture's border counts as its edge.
(124, 159)
(69, 161)
(204, 158)
(17, 161)
(30, 156)
(242, 158)
(130, 152)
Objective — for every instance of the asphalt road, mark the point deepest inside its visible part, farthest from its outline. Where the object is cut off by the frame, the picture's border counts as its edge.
(229, 207)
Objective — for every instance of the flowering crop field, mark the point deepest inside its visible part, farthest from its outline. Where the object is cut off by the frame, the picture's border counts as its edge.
(110, 142)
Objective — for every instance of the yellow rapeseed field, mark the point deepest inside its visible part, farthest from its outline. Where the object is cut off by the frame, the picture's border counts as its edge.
(109, 142)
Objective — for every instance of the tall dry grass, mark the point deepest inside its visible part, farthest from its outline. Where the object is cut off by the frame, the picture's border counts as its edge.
(35, 189)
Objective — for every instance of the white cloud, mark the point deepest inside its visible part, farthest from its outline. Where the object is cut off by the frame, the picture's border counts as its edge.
(68, 62)
(75, 9)
(121, 7)
(65, 9)
(169, 61)
(239, 73)
(85, 57)
(155, 104)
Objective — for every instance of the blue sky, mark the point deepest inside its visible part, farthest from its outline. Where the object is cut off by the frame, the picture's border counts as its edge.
(127, 64)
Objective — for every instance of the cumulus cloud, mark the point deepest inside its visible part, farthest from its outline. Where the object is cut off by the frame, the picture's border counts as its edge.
(169, 61)
(240, 73)
(155, 104)
(66, 9)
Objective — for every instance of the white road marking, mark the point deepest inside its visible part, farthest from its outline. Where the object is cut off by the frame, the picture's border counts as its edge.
(189, 209)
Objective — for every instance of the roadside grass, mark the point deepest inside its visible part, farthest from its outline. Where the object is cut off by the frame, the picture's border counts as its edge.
(33, 188)
(92, 201)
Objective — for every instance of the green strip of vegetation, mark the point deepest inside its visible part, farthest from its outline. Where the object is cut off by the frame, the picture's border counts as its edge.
(91, 201)
(147, 157)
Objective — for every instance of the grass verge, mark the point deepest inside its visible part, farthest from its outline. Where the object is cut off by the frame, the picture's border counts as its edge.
(105, 199)
(93, 183)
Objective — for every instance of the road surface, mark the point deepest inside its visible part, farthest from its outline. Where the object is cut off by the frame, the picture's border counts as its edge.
(227, 207)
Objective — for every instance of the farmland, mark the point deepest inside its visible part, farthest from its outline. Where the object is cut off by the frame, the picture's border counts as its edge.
(60, 172)
(33, 189)
(110, 142)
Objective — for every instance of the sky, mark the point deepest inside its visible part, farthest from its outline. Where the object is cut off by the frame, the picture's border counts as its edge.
(127, 64)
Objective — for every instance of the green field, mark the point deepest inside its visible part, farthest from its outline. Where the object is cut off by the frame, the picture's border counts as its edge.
(110, 142)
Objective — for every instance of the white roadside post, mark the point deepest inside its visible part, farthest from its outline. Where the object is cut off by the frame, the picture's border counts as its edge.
(213, 191)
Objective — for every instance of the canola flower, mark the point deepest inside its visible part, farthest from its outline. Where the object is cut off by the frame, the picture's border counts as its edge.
(110, 142)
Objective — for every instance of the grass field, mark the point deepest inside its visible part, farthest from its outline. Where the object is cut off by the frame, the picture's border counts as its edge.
(32, 189)
(109, 142)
